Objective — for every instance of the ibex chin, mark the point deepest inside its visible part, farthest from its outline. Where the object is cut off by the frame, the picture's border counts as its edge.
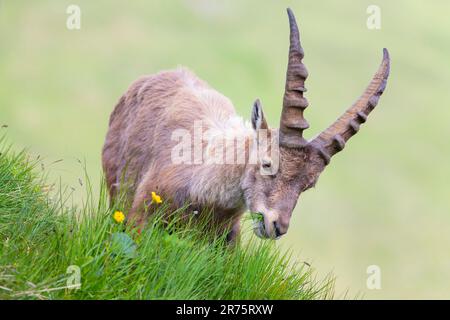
(138, 154)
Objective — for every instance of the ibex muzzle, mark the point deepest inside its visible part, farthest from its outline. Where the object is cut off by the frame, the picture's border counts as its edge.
(140, 142)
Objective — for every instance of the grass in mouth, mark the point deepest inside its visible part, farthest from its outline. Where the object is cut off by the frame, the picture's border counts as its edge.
(257, 216)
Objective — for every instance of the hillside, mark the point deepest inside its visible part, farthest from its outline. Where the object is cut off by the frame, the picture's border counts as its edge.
(48, 248)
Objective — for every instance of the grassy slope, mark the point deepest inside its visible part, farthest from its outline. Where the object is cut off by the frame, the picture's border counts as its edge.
(41, 237)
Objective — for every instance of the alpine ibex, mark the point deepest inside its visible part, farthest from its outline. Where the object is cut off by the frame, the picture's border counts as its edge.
(140, 143)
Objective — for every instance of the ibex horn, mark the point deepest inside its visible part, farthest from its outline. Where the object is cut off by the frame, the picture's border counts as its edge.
(333, 139)
(292, 122)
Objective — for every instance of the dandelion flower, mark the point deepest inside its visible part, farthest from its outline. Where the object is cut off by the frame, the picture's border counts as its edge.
(118, 216)
(156, 198)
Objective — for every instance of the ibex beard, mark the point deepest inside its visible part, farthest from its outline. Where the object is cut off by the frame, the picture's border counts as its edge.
(151, 147)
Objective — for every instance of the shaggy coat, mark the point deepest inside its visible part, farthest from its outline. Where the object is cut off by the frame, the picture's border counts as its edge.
(264, 173)
(139, 145)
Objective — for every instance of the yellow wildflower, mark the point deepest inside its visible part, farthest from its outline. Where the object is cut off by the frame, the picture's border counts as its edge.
(118, 216)
(156, 198)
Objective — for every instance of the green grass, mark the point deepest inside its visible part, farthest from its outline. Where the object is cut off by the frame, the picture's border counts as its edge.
(41, 236)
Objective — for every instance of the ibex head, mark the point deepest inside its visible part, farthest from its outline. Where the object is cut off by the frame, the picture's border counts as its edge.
(300, 162)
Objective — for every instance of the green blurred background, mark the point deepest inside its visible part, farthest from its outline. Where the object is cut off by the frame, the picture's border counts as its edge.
(384, 201)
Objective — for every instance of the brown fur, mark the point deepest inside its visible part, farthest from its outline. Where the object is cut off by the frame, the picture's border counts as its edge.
(138, 148)
(137, 153)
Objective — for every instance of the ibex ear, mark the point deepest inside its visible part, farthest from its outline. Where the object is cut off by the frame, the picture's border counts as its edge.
(258, 119)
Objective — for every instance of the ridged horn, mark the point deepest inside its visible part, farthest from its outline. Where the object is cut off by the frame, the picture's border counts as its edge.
(292, 122)
(333, 139)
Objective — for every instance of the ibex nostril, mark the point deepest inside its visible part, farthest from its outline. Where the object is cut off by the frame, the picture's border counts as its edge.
(278, 232)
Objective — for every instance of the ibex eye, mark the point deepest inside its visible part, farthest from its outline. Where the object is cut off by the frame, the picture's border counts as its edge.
(266, 164)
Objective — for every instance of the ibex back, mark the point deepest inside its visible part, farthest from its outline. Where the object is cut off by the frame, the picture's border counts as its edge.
(151, 146)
